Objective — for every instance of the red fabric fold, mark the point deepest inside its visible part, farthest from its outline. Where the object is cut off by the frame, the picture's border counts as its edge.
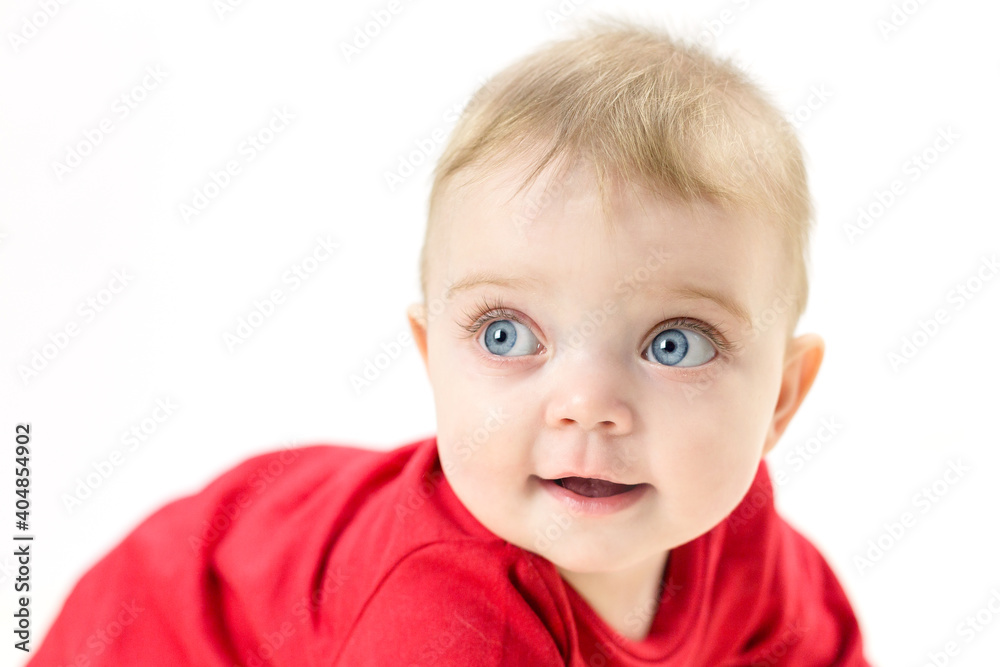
(337, 555)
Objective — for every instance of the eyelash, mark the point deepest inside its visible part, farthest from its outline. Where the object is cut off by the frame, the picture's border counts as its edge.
(492, 308)
(488, 309)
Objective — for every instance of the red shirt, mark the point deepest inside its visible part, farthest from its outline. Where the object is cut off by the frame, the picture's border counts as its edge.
(333, 555)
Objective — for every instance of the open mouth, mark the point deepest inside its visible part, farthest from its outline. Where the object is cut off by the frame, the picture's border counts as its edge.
(593, 488)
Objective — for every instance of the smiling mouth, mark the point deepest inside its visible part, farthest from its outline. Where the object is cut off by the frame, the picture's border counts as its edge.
(593, 488)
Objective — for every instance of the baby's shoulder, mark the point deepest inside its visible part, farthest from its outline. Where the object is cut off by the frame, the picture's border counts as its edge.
(462, 601)
(250, 552)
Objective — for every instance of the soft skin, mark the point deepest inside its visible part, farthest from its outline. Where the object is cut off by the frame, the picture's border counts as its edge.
(575, 396)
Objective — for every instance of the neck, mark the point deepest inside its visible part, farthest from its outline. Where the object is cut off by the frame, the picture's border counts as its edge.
(627, 600)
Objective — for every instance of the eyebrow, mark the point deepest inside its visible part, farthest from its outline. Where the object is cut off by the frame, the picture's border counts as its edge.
(691, 292)
(488, 278)
(732, 306)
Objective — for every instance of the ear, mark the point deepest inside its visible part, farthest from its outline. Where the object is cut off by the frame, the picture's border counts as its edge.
(803, 357)
(417, 315)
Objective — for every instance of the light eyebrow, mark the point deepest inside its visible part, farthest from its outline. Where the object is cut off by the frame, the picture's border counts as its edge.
(734, 307)
(488, 278)
(692, 292)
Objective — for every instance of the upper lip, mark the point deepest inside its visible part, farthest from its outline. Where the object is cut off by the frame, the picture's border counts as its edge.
(606, 478)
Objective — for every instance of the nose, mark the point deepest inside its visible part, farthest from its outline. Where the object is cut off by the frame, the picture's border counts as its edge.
(589, 394)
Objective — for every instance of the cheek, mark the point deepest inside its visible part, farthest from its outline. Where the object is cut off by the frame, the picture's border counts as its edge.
(485, 465)
(455, 374)
(478, 431)
(714, 442)
(733, 409)
(478, 414)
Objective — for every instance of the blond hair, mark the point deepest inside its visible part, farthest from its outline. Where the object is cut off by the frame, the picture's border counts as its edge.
(647, 108)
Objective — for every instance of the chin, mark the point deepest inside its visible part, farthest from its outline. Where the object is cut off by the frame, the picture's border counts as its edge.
(592, 559)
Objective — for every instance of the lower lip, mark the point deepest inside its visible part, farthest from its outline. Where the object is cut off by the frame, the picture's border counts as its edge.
(582, 505)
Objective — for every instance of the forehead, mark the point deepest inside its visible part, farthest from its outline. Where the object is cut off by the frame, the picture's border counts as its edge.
(558, 231)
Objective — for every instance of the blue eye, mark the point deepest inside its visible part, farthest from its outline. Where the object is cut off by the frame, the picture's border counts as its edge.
(503, 336)
(681, 347)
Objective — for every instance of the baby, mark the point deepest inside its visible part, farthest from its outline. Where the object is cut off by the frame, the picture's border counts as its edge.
(614, 267)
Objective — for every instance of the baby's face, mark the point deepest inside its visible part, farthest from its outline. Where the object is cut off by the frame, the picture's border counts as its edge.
(607, 361)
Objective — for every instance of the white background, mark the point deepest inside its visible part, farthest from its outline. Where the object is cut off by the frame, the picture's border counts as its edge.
(887, 95)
